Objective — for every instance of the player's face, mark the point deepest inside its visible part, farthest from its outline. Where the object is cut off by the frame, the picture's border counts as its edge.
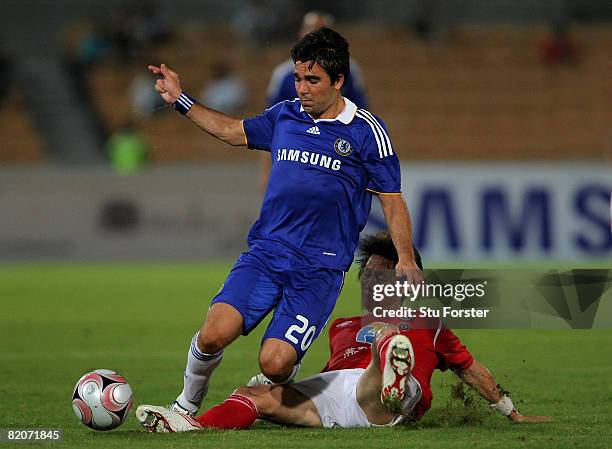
(314, 88)
(378, 271)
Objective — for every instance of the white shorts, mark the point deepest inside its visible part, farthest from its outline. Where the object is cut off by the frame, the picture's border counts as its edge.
(334, 394)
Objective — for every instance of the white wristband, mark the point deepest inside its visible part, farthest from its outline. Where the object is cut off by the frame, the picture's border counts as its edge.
(504, 406)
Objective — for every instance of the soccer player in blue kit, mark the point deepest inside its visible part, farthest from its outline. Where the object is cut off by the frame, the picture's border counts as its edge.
(328, 159)
(282, 86)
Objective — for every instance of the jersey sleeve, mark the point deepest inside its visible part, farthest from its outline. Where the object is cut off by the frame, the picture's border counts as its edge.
(451, 352)
(378, 156)
(259, 130)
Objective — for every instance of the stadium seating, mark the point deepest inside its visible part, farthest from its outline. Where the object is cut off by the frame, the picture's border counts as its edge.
(21, 143)
(483, 93)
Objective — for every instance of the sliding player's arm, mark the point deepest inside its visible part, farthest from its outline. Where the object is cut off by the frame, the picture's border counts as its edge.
(215, 123)
(479, 378)
(400, 228)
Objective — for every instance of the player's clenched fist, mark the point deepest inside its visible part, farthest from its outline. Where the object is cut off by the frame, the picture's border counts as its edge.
(168, 85)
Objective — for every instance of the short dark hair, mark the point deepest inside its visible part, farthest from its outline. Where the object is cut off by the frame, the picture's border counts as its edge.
(327, 48)
(380, 244)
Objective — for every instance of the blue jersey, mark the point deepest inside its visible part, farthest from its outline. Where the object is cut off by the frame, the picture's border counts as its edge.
(282, 85)
(322, 179)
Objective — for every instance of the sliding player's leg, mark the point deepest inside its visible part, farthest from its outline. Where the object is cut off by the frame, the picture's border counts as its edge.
(282, 404)
(369, 386)
(276, 403)
(247, 296)
(386, 387)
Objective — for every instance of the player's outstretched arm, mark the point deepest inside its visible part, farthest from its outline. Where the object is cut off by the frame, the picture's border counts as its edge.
(400, 228)
(479, 378)
(217, 124)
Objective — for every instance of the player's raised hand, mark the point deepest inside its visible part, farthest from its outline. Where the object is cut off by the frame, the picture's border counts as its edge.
(409, 271)
(168, 86)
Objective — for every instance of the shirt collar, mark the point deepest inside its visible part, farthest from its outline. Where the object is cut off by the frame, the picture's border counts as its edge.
(346, 116)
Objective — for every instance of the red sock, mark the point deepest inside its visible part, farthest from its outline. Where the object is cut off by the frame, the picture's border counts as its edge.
(236, 412)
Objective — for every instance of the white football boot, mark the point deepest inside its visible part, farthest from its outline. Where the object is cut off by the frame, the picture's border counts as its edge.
(159, 419)
(396, 363)
(176, 407)
(258, 379)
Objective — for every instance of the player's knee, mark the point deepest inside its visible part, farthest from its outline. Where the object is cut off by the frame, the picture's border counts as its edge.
(275, 368)
(260, 397)
(211, 342)
(223, 325)
(249, 392)
(244, 391)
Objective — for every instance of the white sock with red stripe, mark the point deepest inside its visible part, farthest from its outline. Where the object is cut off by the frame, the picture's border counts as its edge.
(198, 371)
(236, 412)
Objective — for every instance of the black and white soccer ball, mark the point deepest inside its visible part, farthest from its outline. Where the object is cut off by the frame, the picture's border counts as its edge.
(102, 399)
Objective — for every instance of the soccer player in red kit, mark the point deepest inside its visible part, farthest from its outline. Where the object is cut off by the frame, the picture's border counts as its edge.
(378, 373)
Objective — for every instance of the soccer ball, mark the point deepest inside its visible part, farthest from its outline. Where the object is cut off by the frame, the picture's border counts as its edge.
(102, 399)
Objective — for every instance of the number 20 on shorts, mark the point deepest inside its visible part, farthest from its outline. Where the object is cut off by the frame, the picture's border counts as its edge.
(307, 333)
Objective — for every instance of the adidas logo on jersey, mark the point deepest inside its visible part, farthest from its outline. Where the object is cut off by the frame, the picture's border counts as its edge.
(313, 130)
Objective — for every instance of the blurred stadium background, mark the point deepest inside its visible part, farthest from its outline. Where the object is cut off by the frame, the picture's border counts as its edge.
(500, 111)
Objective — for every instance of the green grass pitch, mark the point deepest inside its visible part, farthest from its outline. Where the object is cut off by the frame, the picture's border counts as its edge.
(59, 321)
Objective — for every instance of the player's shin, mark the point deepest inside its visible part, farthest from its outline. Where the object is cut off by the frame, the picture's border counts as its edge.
(236, 412)
(396, 363)
(198, 372)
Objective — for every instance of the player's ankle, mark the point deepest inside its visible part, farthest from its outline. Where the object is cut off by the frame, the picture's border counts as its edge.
(383, 342)
(184, 407)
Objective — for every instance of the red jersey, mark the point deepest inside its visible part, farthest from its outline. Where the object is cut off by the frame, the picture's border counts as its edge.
(434, 345)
